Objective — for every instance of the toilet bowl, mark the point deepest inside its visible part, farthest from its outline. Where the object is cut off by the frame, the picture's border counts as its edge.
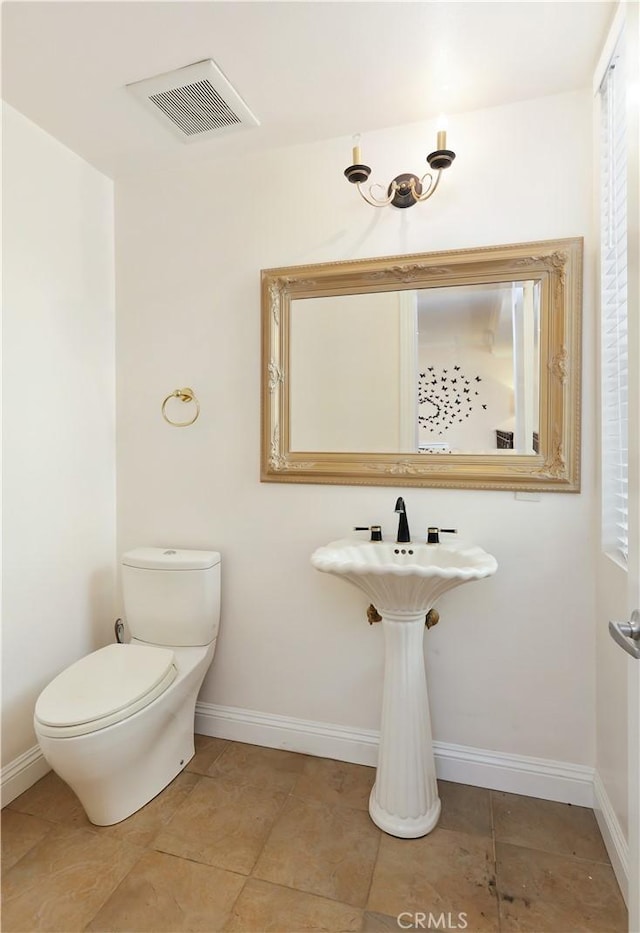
(117, 726)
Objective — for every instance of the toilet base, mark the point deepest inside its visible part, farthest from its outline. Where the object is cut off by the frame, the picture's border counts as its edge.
(117, 770)
(115, 779)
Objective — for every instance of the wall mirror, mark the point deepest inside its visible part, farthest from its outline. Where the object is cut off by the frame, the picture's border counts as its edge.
(454, 369)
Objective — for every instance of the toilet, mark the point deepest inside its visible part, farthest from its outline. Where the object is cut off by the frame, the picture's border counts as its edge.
(117, 726)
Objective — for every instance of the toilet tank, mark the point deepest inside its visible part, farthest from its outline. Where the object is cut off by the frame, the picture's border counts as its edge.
(172, 596)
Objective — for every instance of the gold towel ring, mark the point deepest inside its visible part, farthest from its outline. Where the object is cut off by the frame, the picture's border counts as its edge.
(185, 395)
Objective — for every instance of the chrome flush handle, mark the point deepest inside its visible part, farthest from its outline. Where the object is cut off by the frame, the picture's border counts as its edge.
(627, 634)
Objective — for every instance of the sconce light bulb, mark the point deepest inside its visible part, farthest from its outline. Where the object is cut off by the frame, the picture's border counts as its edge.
(442, 125)
(356, 153)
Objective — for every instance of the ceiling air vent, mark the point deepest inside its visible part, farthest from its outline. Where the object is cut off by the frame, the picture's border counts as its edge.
(196, 102)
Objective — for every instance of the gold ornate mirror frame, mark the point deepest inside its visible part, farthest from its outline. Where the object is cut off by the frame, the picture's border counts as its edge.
(555, 264)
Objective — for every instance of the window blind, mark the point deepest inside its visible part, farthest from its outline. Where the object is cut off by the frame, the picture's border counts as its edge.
(613, 313)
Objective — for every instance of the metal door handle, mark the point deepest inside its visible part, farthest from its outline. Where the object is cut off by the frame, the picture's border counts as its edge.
(627, 634)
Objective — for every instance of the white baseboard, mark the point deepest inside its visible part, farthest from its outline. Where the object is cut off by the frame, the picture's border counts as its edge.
(612, 834)
(294, 735)
(21, 773)
(516, 774)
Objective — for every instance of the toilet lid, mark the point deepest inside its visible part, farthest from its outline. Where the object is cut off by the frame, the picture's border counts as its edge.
(105, 687)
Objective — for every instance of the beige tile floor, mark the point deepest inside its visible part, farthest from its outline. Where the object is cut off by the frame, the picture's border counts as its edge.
(256, 839)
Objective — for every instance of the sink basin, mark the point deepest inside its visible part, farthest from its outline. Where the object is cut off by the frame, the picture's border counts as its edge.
(403, 581)
(403, 578)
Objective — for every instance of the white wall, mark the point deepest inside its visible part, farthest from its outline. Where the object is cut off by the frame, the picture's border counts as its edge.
(58, 416)
(511, 664)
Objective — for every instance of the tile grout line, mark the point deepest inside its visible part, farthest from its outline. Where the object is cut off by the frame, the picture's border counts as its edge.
(291, 795)
(554, 852)
(495, 862)
(269, 834)
(32, 847)
(288, 795)
(373, 871)
(194, 861)
(307, 893)
(233, 906)
(113, 891)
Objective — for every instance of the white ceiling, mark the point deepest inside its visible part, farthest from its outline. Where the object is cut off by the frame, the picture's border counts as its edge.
(308, 70)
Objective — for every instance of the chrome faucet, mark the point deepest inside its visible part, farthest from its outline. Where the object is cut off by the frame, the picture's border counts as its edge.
(403, 525)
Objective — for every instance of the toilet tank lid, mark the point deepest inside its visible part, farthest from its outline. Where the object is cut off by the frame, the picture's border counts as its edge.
(157, 558)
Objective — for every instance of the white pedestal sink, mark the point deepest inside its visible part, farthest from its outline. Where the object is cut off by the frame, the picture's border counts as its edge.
(403, 581)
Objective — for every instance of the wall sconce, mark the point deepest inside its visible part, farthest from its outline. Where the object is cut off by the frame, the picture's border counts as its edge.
(407, 189)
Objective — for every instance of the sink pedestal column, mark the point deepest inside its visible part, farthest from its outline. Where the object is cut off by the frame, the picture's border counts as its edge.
(404, 800)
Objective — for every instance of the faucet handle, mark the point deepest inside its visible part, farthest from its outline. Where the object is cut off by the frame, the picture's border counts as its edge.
(376, 531)
(433, 534)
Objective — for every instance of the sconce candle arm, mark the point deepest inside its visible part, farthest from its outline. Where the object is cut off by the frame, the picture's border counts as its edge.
(427, 188)
(407, 189)
(416, 189)
(372, 199)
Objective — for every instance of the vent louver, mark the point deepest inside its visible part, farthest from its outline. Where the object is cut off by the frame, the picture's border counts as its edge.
(196, 108)
(196, 102)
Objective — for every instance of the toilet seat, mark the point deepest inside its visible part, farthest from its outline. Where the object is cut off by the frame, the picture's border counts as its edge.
(104, 688)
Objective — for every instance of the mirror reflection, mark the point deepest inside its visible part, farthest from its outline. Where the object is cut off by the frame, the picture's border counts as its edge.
(433, 370)
(456, 369)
